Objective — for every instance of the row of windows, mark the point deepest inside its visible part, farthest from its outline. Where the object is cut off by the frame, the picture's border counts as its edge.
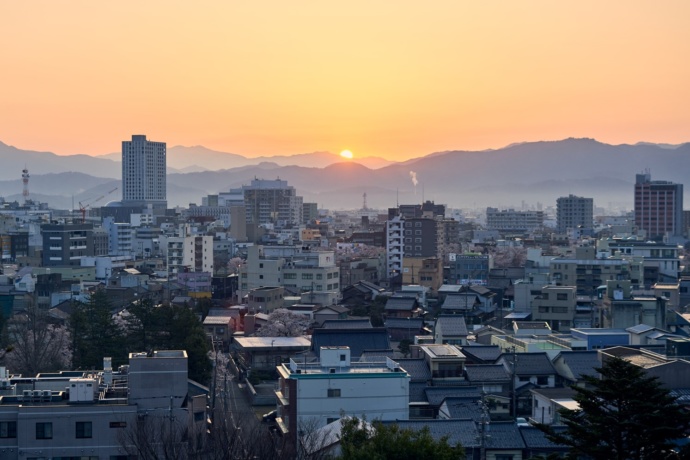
(44, 430)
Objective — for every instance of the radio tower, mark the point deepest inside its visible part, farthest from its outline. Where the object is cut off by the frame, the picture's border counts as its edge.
(364, 201)
(25, 180)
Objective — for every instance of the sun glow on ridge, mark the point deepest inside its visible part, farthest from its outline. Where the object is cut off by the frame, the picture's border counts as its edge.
(346, 154)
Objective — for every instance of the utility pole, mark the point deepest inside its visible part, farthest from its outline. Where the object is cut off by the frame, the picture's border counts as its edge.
(514, 374)
(484, 421)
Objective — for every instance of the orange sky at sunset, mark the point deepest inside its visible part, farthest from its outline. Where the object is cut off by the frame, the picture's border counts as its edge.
(380, 78)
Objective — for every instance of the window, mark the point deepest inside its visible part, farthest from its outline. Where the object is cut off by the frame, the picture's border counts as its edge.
(307, 276)
(118, 424)
(542, 380)
(8, 429)
(290, 276)
(330, 420)
(84, 430)
(199, 416)
(319, 276)
(562, 296)
(334, 392)
(44, 430)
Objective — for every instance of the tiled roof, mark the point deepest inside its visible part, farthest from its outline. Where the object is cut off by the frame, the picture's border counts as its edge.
(504, 435)
(486, 373)
(417, 391)
(417, 368)
(579, 362)
(373, 338)
(529, 363)
(536, 439)
(407, 303)
(462, 408)
(459, 301)
(486, 353)
(346, 324)
(451, 325)
(414, 324)
(463, 432)
(376, 355)
(436, 395)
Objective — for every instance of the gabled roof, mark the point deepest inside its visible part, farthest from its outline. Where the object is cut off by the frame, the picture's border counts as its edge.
(462, 408)
(486, 373)
(401, 303)
(414, 324)
(528, 363)
(436, 395)
(372, 338)
(459, 301)
(488, 354)
(579, 363)
(536, 439)
(376, 355)
(346, 324)
(417, 368)
(451, 326)
(640, 329)
(335, 308)
(461, 432)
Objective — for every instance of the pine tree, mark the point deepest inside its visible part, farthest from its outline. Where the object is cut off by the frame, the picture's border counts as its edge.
(624, 415)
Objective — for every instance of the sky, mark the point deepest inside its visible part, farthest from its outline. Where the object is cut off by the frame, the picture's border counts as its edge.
(395, 79)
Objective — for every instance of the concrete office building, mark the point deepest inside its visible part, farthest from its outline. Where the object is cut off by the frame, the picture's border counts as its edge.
(66, 244)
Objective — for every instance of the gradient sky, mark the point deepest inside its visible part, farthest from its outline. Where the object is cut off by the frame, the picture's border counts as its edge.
(396, 79)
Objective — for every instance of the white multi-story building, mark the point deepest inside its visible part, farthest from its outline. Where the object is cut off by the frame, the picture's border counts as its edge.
(271, 201)
(394, 246)
(510, 220)
(188, 253)
(311, 395)
(119, 237)
(143, 171)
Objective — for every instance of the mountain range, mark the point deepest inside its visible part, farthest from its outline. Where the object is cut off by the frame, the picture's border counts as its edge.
(528, 172)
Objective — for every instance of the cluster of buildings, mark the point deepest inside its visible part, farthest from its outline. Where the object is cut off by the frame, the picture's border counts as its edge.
(421, 315)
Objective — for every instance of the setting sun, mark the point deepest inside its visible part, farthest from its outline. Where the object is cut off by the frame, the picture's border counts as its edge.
(346, 154)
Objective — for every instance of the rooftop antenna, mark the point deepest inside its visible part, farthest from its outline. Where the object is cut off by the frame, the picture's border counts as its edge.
(25, 180)
(397, 201)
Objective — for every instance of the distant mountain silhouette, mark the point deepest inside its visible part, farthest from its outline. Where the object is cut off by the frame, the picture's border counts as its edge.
(531, 172)
(201, 158)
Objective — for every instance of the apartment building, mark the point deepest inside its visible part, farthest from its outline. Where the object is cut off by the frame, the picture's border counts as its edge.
(311, 395)
(556, 305)
(658, 207)
(510, 220)
(66, 244)
(188, 253)
(296, 269)
(573, 212)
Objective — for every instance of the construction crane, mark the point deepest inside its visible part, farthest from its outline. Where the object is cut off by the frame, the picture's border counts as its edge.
(83, 206)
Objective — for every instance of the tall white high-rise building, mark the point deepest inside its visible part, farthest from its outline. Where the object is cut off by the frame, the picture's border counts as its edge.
(143, 171)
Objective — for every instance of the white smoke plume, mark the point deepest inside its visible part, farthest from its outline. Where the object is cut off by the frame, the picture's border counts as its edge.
(413, 176)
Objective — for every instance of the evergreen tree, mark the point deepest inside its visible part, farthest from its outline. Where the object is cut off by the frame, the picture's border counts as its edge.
(624, 415)
(377, 441)
(183, 331)
(95, 334)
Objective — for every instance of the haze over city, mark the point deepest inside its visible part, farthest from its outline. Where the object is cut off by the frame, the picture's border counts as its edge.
(377, 79)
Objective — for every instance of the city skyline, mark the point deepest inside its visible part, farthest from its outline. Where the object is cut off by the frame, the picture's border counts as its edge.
(286, 79)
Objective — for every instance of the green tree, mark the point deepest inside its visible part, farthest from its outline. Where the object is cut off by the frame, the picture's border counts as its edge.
(143, 326)
(182, 330)
(624, 415)
(95, 334)
(377, 441)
